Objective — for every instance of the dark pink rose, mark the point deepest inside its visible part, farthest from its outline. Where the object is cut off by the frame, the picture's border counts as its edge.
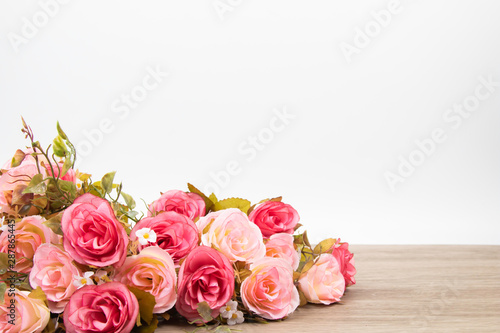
(92, 234)
(274, 217)
(188, 204)
(105, 308)
(346, 262)
(175, 233)
(205, 276)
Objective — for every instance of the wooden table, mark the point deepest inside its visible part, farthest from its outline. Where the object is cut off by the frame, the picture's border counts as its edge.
(405, 289)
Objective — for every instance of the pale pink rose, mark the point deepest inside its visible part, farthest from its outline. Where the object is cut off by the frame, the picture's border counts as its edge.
(346, 261)
(16, 175)
(281, 246)
(206, 275)
(274, 217)
(323, 283)
(109, 307)
(30, 233)
(153, 271)
(269, 291)
(92, 234)
(29, 315)
(53, 271)
(231, 232)
(175, 233)
(188, 204)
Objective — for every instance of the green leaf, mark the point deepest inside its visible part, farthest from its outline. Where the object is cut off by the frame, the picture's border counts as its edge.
(205, 311)
(38, 294)
(213, 198)
(54, 223)
(325, 246)
(222, 329)
(66, 166)
(150, 328)
(128, 200)
(208, 203)
(67, 186)
(61, 132)
(107, 181)
(4, 263)
(36, 185)
(241, 204)
(3, 288)
(146, 304)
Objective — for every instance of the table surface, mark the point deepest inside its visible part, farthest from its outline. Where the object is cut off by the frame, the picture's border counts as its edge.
(402, 288)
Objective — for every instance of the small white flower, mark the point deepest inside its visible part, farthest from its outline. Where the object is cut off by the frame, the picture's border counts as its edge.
(145, 236)
(236, 318)
(81, 281)
(227, 310)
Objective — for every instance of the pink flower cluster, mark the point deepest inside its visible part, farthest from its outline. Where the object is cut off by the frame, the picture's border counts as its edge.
(180, 254)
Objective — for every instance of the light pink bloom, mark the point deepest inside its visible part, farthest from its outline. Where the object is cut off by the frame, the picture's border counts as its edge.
(153, 271)
(281, 246)
(30, 233)
(30, 315)
(323, 283)
(231, 232)
(53, 271)
(269, 291)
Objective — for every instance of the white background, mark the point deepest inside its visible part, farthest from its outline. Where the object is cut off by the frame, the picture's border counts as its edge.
(228, 72)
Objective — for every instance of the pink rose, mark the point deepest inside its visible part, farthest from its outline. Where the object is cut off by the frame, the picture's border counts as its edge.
(231, 232)
(323, 282)
(69, 176)
(274, 217)
(30, 315)
(53, 271)
(109, 307)
(346, 261)
(16, 175)
(188, 204)
(175, 233)
(92, 234)
(30, 233)
(205, 276)
(154, 272)
(269, 291)
(281, 246)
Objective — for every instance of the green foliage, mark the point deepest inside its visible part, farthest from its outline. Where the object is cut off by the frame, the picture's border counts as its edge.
(129, 201)
(107, 181)
(208, 203)
(146, 304)
(205, 311)
(241, 204)
(36, 185)
(3, 288)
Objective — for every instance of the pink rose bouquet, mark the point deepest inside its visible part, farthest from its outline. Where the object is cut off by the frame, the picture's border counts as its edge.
(87, 261)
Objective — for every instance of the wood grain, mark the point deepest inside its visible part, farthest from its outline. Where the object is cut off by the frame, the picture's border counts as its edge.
(405, 289)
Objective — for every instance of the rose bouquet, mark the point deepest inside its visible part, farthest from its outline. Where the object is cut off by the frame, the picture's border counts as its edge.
(75, 256)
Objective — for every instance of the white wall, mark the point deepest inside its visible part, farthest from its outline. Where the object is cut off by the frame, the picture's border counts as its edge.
(231, 71)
